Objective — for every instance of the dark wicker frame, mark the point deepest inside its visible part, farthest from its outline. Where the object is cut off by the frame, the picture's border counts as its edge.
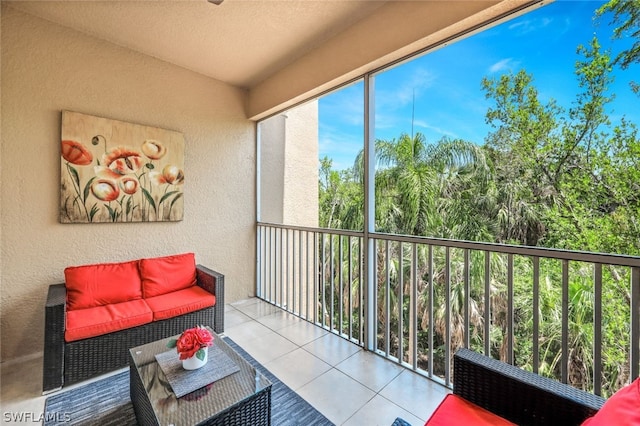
(519, 396)
(66, 363)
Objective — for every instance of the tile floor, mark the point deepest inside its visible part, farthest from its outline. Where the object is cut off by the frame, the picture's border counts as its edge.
(348, 385)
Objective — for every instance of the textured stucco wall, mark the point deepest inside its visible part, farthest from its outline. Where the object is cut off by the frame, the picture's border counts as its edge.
(47, 68)
(289, 167)
(272, 144)
(300, 205)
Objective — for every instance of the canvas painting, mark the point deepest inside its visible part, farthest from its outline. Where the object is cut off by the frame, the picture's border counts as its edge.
(114, 171)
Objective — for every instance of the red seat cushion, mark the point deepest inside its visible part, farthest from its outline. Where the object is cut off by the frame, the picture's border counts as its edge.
(89, 286)
(99, 320)
(162, 275)
(180, 302)
(457, 411)
(623, 408)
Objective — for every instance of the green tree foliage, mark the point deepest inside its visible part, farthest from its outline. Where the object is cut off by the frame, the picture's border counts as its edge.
(626, 14)
(548, 176)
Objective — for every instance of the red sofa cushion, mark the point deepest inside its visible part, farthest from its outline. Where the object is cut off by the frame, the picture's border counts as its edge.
(162, 275)
(101, 284)
(99, 320)
(623, 408)
(457, 411)
(180, 302)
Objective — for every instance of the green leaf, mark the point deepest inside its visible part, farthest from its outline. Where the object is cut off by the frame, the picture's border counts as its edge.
(172, 343)
(149, 198)
(150, 166)
(175, 199)
(112, 213)
(87, 188)
(167, 195)
(74, 175)
(93, 212)
(200, 354)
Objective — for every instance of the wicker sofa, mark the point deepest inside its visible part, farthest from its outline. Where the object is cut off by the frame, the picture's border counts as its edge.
(68, 361)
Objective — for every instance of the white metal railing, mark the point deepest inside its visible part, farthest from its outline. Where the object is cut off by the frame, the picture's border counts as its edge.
(432, 296)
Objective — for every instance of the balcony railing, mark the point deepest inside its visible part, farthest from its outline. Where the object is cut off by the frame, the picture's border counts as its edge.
(574, 316)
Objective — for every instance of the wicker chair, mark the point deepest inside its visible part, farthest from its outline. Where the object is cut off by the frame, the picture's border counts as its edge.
(66, 363)
(517, 395)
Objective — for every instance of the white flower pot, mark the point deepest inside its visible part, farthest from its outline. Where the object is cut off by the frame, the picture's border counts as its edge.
(194, 362)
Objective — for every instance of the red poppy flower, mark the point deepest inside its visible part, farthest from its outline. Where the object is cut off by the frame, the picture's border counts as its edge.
(122, 160)
(75, 153)
(105, 189)
(129, 185)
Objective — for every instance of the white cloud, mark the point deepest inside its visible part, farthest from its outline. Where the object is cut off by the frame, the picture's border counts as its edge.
(504, 64)
(530, 25)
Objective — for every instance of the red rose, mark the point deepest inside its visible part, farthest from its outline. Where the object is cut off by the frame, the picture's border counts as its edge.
(204, 337)
(192, 340)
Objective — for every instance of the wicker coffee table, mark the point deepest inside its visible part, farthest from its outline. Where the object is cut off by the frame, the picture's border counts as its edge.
(241, 398)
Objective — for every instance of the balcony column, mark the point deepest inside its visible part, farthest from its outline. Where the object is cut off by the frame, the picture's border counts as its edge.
(369, 215)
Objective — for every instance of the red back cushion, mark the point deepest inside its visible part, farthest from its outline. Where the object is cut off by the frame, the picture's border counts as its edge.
(89, 286)
(623, 408)
(162, 275)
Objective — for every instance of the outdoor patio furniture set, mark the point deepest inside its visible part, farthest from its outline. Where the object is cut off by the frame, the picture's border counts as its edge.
(113, 315)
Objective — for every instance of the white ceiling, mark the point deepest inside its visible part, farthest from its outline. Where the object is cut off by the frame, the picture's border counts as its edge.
(240, 42)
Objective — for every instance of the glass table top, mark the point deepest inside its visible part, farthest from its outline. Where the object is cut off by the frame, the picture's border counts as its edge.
(203, 403)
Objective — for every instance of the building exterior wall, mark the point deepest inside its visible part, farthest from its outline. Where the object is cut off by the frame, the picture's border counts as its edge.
(300, 205)
(272, 135)
(289, 167)
(47, 68)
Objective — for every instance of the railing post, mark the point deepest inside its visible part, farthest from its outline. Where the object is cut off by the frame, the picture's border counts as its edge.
(369, 214)
(536, 313)
(510, 302)
(634, 360)
(487, 303)
(597, 329)
(564, 366)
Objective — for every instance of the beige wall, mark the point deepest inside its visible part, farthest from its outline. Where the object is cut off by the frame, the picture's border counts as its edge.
(393, 31)
(289, 167)
(47, 68)
(300, 206)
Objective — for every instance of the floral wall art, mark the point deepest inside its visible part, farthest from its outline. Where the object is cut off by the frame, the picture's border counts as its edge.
(113, 171)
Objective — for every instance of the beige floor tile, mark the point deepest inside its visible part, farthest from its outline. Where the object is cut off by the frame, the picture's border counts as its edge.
(370, 369)
(297, 368)
(336, 395)
(268, 347)
(415, 393)
(234, 317)
(257, 310)
(247, 331)
(302, 333)
(22, 388)
(278, 320)
(381, 412)
(332, 349)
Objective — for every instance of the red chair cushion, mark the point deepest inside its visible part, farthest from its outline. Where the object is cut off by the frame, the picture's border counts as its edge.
(101, 284)
(180, 302)
(623, 408)
(99, 320)
(162, 275)
(457, 411)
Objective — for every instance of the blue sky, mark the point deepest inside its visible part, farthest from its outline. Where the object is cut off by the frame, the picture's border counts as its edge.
(442, 89)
